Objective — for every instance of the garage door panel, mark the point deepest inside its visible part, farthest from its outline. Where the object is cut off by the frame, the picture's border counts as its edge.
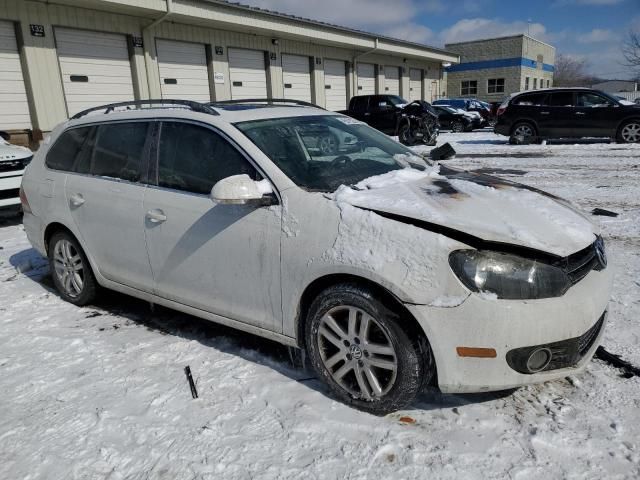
(366, 79)
(335, 80)
(14, 108)
(247, 74)
(415, 84)
(392, 80)
(101, 57)
(183, 70)
(296, 77)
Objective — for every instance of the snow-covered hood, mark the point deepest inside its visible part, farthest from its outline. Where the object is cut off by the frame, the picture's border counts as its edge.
(10, 152)
(482, 206)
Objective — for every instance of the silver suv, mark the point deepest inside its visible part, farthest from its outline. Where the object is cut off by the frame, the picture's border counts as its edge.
(391, 272)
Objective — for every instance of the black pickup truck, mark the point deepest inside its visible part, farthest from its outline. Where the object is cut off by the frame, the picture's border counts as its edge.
(389, 113)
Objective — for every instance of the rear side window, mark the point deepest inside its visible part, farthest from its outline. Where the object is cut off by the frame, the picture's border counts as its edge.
(530, 99)
(560, 99)
(194, 158)
(360, 104)
(120, 150)
(68, 149)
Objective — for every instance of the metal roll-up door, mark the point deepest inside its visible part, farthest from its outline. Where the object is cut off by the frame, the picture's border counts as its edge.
(335, 84)
(183, 70)
(415, 84)
(14, 108)
(392, 80)
(366, 79)
(247, 74)
(296, 77)
(95, 68)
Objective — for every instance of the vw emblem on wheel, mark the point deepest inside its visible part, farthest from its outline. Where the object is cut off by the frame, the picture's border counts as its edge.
(600, 253)
(355, 352)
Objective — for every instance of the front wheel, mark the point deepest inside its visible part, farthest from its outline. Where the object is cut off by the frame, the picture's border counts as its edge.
(457, 127)
(406, 135)
(358, 347)
(328, 145)
(72, 274)
(629, 132)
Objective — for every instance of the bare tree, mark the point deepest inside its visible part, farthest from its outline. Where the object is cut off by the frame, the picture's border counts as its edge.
(631, 51)
(570, 72)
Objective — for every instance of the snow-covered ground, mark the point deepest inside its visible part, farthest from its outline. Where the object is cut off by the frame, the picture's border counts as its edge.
(100, 392)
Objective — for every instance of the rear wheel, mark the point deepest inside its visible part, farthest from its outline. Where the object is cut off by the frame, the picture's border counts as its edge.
(357, 346)
(523, 133)
(72, 274)
(457, 127)
(629, 132)
(406, 136)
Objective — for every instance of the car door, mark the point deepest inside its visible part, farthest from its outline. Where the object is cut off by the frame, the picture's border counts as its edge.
(223, 259)
(595, 115)
(383, 114)
(558, 115)
(104, 193)
(360, 108)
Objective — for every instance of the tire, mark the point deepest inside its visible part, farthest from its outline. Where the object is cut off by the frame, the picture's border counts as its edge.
(523, 130)
(401, 365)
(405, 136)
(457, 127)
(629, 132)
(66, 256)
(328, 144)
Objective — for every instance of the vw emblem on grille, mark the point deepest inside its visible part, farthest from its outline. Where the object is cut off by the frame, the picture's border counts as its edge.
(600, 253)
(355, 352)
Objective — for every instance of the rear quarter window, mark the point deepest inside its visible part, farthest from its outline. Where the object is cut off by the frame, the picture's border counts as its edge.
(530, 99)
(68, 149)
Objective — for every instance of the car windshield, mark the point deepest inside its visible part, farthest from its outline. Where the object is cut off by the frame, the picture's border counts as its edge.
(397, 100)
(448, 108)
(320, 153)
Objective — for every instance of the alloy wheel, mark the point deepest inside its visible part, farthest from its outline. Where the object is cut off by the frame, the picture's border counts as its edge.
(523, 131)
(68, 267)
(328, 145)
(357, 352)
(631, 132)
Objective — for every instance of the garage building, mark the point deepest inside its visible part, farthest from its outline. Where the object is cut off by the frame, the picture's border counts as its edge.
(58, 57)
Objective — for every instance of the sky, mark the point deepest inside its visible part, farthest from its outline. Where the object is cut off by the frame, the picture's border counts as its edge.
(592, 30)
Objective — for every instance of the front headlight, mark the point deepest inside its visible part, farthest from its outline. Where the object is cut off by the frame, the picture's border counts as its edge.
(509, 276)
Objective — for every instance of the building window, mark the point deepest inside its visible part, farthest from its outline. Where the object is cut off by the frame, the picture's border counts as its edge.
(469, 87)
(495, 85)
(526, 83)
(548, 83)
(535, 83)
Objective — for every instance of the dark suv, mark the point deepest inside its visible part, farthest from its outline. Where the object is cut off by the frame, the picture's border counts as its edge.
(566, 113)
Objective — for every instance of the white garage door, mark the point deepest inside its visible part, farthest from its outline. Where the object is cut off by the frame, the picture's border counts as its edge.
(335, 85)
(415, 84)
(366, 79)
(392, 80)
(95, 68)
(14, 109)
(183, 70)
(296, 76)
(247, 74)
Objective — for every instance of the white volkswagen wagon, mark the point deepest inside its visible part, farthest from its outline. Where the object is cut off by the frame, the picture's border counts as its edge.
(391, 272)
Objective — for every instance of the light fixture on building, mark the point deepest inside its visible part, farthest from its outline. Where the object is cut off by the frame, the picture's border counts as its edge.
(446, 64)
(275, 41)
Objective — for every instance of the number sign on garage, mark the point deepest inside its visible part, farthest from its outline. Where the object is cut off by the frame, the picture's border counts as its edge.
(183, 70)
(14, 108)
(247, 74)
(296, 77)
(95, 68)
(335, 84)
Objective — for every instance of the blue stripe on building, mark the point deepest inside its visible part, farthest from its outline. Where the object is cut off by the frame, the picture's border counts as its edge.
(499, 63)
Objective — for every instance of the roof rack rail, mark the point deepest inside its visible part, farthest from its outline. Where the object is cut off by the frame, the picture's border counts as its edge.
(195, 106)
(266, 100)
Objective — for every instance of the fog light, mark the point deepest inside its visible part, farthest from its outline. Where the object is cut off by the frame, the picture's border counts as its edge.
(538, 360)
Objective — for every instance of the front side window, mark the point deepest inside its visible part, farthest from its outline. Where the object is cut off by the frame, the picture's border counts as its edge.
(68, 149)
(588, 99)
(495, 85)
(530, 99)
(119, 150)
(469, 87)
(300, 147)
(193, 158)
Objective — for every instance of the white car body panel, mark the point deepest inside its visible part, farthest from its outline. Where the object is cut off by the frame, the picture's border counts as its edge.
(248, 266)
(10, 171)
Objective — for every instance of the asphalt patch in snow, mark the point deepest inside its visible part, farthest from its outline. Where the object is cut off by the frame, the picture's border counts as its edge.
(628, 370)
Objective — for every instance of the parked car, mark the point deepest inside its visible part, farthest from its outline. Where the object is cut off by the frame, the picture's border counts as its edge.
(392, 273)
(13, 160)
(392, 115)
(567, 113)
(470, 105)
(454, 120)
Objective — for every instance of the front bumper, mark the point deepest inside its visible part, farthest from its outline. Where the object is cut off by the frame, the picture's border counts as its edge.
(10, 187)
(505, 325)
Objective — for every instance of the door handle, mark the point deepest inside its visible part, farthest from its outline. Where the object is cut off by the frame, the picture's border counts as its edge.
(367, 114)
(544, 113)
(76, 200)
(580, 113)
(156, 216)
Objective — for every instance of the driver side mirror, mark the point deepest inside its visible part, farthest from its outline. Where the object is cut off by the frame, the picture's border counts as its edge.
(241, 190)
